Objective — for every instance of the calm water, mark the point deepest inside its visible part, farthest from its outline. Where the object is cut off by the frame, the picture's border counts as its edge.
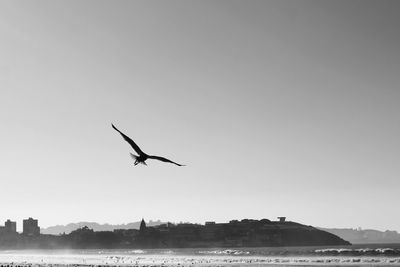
(356, 255)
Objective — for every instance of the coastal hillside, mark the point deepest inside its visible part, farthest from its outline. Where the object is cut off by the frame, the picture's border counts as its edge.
(354, 236)
(243, 233)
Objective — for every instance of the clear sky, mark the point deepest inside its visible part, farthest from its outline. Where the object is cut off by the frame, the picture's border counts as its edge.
(278, 108)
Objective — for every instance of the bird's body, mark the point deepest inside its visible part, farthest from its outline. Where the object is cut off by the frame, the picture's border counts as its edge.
(139, 159)
(142, 157)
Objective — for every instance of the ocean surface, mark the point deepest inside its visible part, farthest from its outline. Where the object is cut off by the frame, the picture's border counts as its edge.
(356, 255)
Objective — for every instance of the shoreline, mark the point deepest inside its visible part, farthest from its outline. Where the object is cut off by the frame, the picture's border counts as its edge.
(7, 260)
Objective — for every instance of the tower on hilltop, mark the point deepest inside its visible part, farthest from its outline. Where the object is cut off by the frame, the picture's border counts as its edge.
(142, 226)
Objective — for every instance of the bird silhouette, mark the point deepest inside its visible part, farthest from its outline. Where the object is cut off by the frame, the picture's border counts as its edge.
(142, 156)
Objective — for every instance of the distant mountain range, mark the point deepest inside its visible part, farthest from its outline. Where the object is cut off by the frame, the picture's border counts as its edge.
(367, 236)
(60, 229)
(354, 236)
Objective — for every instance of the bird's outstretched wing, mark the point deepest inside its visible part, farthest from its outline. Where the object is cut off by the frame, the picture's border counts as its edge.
(130, 141)
(165, 160)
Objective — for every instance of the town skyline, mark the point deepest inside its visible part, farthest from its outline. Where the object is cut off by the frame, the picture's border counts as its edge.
(31, 228)
(235, 233)
(278, 108)
(33, 225)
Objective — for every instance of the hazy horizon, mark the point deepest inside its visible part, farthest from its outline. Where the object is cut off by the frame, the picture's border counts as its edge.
(278, 108)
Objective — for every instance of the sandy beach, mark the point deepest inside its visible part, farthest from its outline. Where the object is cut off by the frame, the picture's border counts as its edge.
(186, 261)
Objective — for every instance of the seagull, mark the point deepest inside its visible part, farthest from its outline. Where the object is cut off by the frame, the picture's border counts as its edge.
(142, 156)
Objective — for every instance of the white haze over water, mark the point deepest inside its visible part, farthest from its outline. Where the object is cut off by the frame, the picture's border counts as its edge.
(304, 256)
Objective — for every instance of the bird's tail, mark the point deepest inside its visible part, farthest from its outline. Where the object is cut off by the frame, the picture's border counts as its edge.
(134, 156)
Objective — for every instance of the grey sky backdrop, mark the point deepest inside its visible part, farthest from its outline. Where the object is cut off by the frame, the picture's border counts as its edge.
(279, 108)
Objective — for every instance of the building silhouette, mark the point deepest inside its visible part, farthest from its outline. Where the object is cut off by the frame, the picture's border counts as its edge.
(282, 219)
(143, 227)
(30, 227)
(10, 227)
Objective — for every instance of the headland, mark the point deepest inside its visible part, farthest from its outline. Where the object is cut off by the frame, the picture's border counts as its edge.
(243, 233)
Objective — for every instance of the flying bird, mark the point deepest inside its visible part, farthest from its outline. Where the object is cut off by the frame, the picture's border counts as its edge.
(142, 156)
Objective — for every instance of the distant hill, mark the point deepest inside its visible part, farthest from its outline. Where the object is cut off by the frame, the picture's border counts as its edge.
(59, 229)
(235, 233)
(354, 236)
(367, 236)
